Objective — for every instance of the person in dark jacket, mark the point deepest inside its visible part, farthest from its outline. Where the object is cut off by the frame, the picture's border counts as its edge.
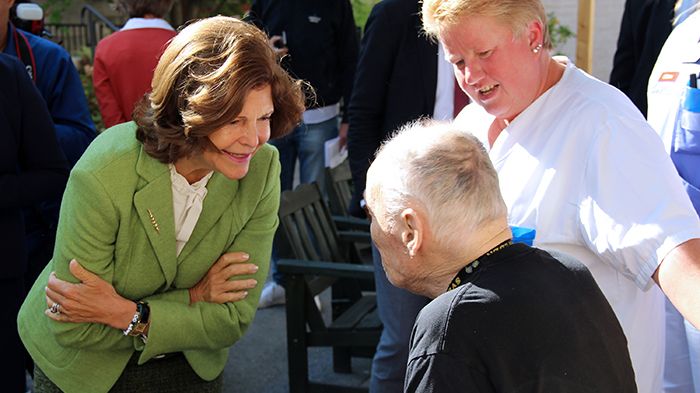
(54, 75)
(32, 169)
(645, 26)
(317, 40)
(401, 76)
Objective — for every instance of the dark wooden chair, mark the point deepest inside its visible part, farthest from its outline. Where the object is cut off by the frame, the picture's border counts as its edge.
(340, 189)
(321, 262)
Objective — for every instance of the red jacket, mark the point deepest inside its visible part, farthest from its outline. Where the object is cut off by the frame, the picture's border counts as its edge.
(123, 69)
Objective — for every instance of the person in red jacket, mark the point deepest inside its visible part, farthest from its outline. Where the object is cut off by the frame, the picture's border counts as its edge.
(125, 60)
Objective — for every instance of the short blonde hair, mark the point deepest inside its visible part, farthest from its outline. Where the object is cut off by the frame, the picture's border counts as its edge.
(447, 171)
(441, 14)
(200, 85)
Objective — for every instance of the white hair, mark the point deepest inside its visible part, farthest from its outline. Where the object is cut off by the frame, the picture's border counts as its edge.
(445, 170)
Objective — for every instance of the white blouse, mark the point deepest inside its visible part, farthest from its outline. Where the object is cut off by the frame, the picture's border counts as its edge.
(187, 205)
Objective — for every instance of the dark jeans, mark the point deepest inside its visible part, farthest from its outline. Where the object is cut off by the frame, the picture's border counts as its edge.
(398, 310)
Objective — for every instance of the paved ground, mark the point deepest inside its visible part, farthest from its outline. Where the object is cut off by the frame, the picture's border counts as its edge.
(258, 363)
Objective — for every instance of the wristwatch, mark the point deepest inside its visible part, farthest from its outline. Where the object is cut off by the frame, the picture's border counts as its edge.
(139, 322)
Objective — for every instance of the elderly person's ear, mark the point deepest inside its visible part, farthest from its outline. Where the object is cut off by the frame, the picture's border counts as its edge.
(412, 232)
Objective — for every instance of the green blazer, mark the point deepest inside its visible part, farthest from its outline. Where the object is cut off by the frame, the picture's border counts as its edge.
(105, 224)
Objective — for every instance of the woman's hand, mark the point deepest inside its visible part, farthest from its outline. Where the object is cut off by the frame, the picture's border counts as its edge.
(92, 300)
(216, 286)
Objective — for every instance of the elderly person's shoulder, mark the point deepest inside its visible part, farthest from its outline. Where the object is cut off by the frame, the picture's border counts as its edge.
(432, 325)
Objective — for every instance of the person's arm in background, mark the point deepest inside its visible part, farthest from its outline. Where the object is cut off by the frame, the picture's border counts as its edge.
(367, 105)
(69, 109)
(678, 276)
(346, 37)
(104, 92)
(255, 15)
(643, 31)
(43, 169)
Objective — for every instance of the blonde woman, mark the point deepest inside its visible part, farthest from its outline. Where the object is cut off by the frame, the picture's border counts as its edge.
(579, 164)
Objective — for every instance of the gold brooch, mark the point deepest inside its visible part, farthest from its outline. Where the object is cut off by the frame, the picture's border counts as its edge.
(153, 221)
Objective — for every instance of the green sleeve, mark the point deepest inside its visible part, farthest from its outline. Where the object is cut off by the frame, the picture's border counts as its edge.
(86, 232)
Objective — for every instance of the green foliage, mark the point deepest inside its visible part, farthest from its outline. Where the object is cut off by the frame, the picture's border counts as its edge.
(558, 33)
(361, 9)
(84, 65)
(55, 8)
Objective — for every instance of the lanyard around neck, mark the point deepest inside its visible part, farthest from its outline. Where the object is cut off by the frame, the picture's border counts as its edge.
(464, 273)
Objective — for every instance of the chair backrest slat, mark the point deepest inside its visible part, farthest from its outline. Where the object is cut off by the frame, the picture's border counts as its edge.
(328, 227)
(292, 232)
(309, 226)
(301, 224)
(320, 238)
(341, 187)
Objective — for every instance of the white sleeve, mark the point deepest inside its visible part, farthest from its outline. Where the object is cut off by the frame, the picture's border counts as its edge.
(635, 209)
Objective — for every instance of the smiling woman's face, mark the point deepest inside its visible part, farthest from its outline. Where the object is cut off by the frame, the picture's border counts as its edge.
(236, 142)
(497, 70)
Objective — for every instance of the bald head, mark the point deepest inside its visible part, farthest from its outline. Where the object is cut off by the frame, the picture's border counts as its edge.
(444, 169)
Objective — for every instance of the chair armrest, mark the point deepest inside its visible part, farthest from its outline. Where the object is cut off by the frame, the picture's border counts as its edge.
(351, 223)
(322, 268)
(354, 237)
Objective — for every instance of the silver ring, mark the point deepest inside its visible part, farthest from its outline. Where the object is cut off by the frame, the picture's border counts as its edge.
(55, 308)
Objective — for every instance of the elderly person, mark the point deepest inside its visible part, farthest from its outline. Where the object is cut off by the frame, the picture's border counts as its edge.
(578, 163)
(158, 215)
(125, 60)
(505, 317)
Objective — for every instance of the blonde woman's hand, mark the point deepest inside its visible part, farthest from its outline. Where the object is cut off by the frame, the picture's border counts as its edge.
(219, 284)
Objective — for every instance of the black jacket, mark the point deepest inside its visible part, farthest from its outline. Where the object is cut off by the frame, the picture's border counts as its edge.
(395, 83)
(32, 166)
(322, 42)
(645, 26)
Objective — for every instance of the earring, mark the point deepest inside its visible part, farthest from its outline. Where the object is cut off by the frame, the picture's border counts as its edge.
(537, 49)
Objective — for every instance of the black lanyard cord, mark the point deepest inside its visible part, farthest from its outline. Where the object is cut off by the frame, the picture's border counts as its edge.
(463, 274)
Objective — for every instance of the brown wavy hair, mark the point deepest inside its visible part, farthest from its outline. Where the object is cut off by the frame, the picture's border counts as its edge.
(201, 82)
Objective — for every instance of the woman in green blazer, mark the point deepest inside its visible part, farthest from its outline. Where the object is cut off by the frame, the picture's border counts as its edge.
(166, 225)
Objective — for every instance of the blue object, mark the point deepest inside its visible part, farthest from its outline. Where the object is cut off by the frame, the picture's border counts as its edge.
(691, 99)
(685, 149)
(59, 84)
(523, 235)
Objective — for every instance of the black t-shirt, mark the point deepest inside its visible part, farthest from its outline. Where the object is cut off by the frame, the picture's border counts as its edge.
(524, 322)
